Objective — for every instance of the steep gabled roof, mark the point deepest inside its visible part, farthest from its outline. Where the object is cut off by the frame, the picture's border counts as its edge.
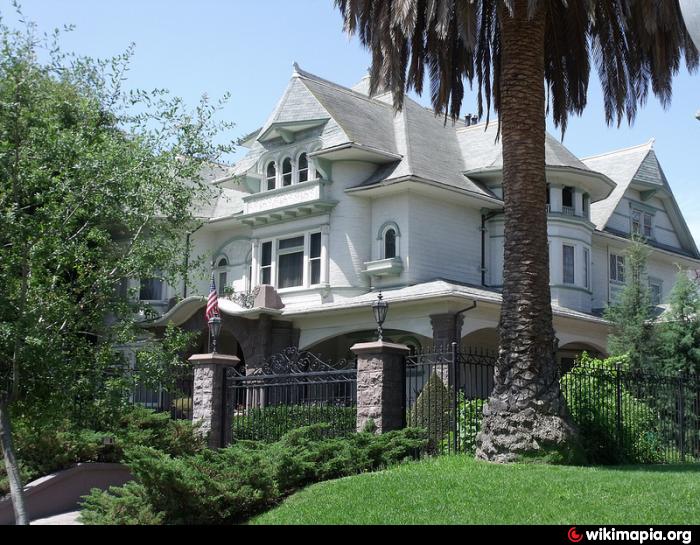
(638, 166)
(621, 166)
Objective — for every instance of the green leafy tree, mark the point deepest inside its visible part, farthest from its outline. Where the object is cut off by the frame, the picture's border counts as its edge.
(632, 315)
(96, 185)
(527, 58)
(680, 328)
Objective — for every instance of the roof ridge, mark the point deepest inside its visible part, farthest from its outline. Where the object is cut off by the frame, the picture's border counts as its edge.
(303, 74)
(649, 143)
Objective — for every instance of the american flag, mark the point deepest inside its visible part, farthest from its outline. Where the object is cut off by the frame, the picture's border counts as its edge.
(213, 301)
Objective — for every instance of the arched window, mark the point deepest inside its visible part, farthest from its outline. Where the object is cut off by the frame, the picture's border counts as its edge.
(271, 175)
(286, 172)
(223, 274)
(389, 244)
(303, 166)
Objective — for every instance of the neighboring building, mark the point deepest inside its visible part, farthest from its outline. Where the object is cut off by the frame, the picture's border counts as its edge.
(339, 197)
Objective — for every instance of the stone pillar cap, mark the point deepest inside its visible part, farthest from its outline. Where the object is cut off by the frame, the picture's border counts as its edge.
(216, 358)
(379, 347)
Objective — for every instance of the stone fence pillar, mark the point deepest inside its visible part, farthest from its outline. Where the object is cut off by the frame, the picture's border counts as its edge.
(381, 385)
(208, 392)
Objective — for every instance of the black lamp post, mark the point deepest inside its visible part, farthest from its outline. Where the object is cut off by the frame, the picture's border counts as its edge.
(214, 330)
(380, 308)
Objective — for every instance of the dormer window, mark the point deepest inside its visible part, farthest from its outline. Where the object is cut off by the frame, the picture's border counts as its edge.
(390, 244)
(271, 176)
(286, 172)
(303, 166)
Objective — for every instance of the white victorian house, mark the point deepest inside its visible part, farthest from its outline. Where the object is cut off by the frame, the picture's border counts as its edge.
(339, 197)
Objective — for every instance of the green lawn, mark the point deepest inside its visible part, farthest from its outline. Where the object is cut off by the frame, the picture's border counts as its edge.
(460, 490)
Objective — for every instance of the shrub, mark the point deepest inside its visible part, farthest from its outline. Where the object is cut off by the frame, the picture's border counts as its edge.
(270, 423)
(591, 392)
(125, 505)
(470, 414)
(431, 411)
(49, 446)
(229, 485)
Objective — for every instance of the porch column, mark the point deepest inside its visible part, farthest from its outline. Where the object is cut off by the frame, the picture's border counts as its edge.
(381, 385)
(447, 328)
(208, 392)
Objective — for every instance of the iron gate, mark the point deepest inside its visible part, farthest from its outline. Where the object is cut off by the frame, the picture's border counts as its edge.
(291, 389)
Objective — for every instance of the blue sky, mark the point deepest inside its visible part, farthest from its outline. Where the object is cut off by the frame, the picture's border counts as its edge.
(248, 47)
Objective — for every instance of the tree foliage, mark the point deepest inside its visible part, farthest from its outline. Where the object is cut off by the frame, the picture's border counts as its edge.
(633, 45)
(96, 185)
(680, 328)
(631, 314)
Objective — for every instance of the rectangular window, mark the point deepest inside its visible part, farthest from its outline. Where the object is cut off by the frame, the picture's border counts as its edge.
(266, 263)
(586, 268)
(315, 259)
(642, 223)
(290, 262)
(222, 282)
(151, 289)
(655, 291)
(617, 268)
(568, 264)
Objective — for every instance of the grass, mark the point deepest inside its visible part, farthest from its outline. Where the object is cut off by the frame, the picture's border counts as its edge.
(460, 490)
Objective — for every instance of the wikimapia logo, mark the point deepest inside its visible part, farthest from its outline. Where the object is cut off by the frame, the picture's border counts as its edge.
(637, 536)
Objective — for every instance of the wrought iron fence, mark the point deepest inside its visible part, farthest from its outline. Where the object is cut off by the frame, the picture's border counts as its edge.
(172, 394)
(623, 416)
(445, 393)
(292, 389)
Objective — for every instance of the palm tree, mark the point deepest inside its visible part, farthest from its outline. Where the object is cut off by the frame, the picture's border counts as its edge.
(515, 50)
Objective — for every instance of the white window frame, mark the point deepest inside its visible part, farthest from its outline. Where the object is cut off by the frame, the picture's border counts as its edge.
(292, 167)
(276, 252)
(268, 178)
(619, 267)
(587, 268)
(644, 215)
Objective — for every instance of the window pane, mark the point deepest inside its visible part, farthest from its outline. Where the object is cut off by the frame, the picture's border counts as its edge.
(222, 282)
(586, 258)
(266, 276)
(303, 168)
(567, 197)
(271, 175)
(266, 258)
(390, 244)
(295, 242)
(287, 172)
(151, 289)
(316, 271)
(223, 262)
(315, 245)
(291, 270)
(568, 264)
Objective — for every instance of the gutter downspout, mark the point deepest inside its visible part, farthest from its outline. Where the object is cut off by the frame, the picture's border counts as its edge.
(458, 334)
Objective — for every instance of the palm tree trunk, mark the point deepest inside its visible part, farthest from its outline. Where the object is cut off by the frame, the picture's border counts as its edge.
(525, 414)
(16, 490)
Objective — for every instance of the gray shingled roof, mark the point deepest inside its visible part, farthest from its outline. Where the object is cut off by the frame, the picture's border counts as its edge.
(620, 166)
(482, 152)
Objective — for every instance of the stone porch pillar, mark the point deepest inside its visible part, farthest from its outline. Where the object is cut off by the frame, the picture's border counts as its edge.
(381, 385)
(208, 392)
(447, 328)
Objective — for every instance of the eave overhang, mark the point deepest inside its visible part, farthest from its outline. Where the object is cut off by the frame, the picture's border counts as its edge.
(287, 130)
(352, 151)
(597, 185)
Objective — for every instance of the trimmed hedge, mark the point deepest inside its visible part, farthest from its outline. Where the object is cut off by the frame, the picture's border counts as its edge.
(272, 422)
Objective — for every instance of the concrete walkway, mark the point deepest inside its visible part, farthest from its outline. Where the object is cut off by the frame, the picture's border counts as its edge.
(65, 519)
